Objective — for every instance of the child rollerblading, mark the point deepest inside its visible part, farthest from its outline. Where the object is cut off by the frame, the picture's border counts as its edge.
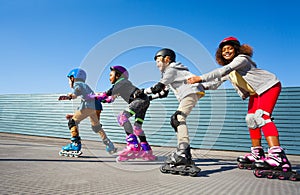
(263, 89)
(174, 75)
(138, 105)
(88, 108)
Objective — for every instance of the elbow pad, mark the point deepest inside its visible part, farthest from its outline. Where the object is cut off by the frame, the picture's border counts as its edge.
(109, 99)
(157, 88)
(102, 96)
(163, 93)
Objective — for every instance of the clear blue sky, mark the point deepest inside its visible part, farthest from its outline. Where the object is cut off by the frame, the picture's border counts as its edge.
(42, 40)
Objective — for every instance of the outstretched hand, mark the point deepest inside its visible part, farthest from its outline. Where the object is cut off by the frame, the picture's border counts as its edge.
(69, 116)
(194, 79)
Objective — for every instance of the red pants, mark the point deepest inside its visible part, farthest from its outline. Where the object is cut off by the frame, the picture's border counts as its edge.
(266, 102)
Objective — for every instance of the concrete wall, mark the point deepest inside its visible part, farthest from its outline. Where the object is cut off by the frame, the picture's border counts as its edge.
(217, 122)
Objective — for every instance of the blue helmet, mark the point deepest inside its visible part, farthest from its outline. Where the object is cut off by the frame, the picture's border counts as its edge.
(77, 73)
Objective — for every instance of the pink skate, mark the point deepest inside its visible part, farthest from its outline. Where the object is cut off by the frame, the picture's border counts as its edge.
(132, 149)
(247, 161)
(146, 152)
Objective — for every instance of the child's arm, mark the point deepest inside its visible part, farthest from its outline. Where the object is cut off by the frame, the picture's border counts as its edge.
(72, 95)
(157, 88)
(164, 93)
(211, 85)
(108, 98)
(69, 116)
(237, 63)
(103, 97)
(194, 79)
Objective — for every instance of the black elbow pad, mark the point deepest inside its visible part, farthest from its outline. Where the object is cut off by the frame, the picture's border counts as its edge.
(157, 88)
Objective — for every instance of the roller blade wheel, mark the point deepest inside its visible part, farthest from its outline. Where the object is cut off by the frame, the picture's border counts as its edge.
(165, 168)
(277, 174)
(294, 176)
(245, 166)
(124, 158)
(70, 153)
(190, 170)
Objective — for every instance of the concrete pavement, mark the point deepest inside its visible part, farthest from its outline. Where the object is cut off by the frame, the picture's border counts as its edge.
(31, 165)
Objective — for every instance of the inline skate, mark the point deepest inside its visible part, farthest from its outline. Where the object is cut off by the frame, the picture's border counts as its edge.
(109, 146)
(180, 162)
(276, 165)
(146, 152)
(246, 161)
(131, 151)
(72, 149)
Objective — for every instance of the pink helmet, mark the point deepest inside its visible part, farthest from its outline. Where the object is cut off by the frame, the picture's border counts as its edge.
(121, 70)
(229, 41)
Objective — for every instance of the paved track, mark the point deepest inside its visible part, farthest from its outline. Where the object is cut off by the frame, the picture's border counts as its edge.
(31, 165)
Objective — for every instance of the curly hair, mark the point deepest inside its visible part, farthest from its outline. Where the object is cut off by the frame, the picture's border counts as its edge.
(243, 49)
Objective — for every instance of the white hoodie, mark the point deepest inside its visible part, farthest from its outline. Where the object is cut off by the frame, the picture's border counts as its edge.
(175, 75)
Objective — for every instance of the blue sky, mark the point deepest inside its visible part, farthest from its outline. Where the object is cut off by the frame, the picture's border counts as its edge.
(42, 40)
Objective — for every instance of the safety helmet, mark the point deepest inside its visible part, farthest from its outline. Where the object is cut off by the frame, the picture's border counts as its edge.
(229, 41)
(166, 52)
(77, 73)
(121, 70)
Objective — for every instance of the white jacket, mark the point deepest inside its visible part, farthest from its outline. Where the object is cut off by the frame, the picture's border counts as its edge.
(175, 76)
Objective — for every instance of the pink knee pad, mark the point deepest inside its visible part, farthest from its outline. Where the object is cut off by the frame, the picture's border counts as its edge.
(122, 119)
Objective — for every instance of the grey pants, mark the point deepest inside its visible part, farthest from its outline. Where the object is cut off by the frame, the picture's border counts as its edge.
(186, 105)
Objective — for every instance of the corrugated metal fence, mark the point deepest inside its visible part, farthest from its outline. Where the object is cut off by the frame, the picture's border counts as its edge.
(217, 122)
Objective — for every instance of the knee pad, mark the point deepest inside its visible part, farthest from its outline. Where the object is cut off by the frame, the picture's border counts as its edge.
(256, 120)
(97, 128)
(260, 121)
(250, 120)
(174, 120)
(122, 118)
(71, 123)
(138, 131)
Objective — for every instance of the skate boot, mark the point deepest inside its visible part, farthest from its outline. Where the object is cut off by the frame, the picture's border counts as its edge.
(131, 151)
(110, 148)
(180, 162)
(276, 165)
(146, 152)
(72, 149)
(246, 161)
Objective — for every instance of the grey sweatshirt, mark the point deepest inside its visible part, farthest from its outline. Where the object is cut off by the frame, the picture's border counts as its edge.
(175, 75)
(260, 80)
